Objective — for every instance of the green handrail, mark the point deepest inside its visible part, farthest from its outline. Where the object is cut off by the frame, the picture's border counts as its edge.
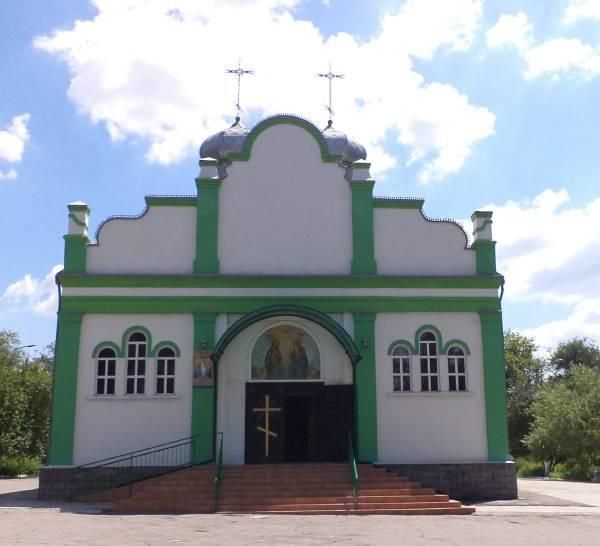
(219, 472)
(353, 467)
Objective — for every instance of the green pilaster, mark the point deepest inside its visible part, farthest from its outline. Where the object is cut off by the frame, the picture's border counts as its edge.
(366, 388)
(485, 257)
(207, 226)
(363, 243)
(75, 253)
(203, 398)
(494, 377)
(64, 391)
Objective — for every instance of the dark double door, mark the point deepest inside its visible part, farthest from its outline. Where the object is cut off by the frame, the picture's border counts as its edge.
(297, 422)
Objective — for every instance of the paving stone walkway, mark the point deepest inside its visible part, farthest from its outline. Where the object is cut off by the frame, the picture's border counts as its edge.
(547, 513)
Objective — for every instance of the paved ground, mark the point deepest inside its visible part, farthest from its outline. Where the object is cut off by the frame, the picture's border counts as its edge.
(547, 513)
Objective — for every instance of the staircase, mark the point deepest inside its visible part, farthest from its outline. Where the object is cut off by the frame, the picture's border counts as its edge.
(281, 489)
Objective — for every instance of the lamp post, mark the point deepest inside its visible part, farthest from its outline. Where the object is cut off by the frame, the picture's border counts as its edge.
(14, 352)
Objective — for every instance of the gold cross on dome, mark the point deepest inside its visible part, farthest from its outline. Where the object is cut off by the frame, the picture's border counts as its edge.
(330, 76)
(267, 429)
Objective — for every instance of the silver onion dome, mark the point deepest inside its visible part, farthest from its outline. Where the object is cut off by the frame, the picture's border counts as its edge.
(221, 144)
(233, 139)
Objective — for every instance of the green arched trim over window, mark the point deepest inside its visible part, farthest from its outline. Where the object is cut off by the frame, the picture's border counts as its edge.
(134, 329)
(403, 342)
(107, 345)
(458, 342)
(288, 311)
(244, 155)
(162, 345)
(429, 328)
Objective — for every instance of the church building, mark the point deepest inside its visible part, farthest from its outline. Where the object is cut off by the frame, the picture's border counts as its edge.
(283, 311)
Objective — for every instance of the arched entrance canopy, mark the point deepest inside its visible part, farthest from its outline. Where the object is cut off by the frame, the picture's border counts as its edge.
(288, 310)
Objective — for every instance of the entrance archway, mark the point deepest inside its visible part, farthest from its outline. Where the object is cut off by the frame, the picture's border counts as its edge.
(315, 406)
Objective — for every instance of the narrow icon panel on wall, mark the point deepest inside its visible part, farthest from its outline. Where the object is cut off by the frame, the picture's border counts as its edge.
(203, 369)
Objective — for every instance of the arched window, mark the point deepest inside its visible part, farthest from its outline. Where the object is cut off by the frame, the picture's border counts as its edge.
(457, 370)
(401, 369)
(106, 366)
(429, 362)
(136, 364)
(165, 371)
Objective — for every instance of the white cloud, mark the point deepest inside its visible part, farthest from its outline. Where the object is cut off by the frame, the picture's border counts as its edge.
(12, 144)
(577, 10)
(562, 56)
(548, 252)
(510, 30)
(155, 69)
(32, 294)
(11, 174)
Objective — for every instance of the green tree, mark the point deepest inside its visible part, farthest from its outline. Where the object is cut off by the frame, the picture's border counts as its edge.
(524, 375)
(25, 389)
(566, 420)
(579, 350)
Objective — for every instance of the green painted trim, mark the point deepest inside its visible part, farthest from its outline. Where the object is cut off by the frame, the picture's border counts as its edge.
(131, 330)
(162, 345)
(78, 208)
(363, 236)
(204, 399)
(207, 226)
(176, 304)
(494, 378)
(458, 342)
(391, 203)
(75, 253)
(269, 281)
(405, 342)
(361, 165)
(438, 337)
(485, 256)
(73, 217)
(366, 387)
(483, 225)
(170, 201)
(107, 345)
(64, 395)
(307, 313)
(482, 214)
(245, 154)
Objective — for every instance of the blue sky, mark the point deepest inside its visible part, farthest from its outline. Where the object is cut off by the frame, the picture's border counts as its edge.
(467, 103)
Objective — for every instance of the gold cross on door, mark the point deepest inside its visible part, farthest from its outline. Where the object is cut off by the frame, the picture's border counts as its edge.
(267, 429)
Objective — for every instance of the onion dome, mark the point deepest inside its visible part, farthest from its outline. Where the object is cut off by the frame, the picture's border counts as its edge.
(223, 143)
(339, 143)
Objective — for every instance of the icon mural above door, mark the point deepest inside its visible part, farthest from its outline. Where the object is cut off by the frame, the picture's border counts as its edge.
(285, 352)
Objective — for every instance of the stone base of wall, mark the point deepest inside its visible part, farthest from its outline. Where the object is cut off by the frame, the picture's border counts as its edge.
(464, 481)
(62, 483)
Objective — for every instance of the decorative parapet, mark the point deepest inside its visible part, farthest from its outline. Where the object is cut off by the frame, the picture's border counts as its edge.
(482, 225)
(79, 214)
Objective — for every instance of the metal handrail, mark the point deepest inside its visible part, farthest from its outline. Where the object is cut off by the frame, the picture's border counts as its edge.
(219, 472)
(134, 466)
(353, 467)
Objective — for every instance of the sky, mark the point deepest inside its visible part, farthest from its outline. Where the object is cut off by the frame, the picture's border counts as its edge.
(470, 104)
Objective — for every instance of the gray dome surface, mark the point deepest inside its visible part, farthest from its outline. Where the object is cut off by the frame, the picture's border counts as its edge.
(221, 144)
(339, 143)
(233, 139)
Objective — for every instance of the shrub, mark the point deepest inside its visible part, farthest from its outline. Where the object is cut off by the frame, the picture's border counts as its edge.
(13, 466)
(573, 471)
(527, 468)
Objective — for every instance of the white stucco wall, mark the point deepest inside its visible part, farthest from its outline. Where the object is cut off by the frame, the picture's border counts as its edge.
(234, 373)
(110, 425)
(161, 241)
(430, 427)
(284, 211)
(408, 244)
